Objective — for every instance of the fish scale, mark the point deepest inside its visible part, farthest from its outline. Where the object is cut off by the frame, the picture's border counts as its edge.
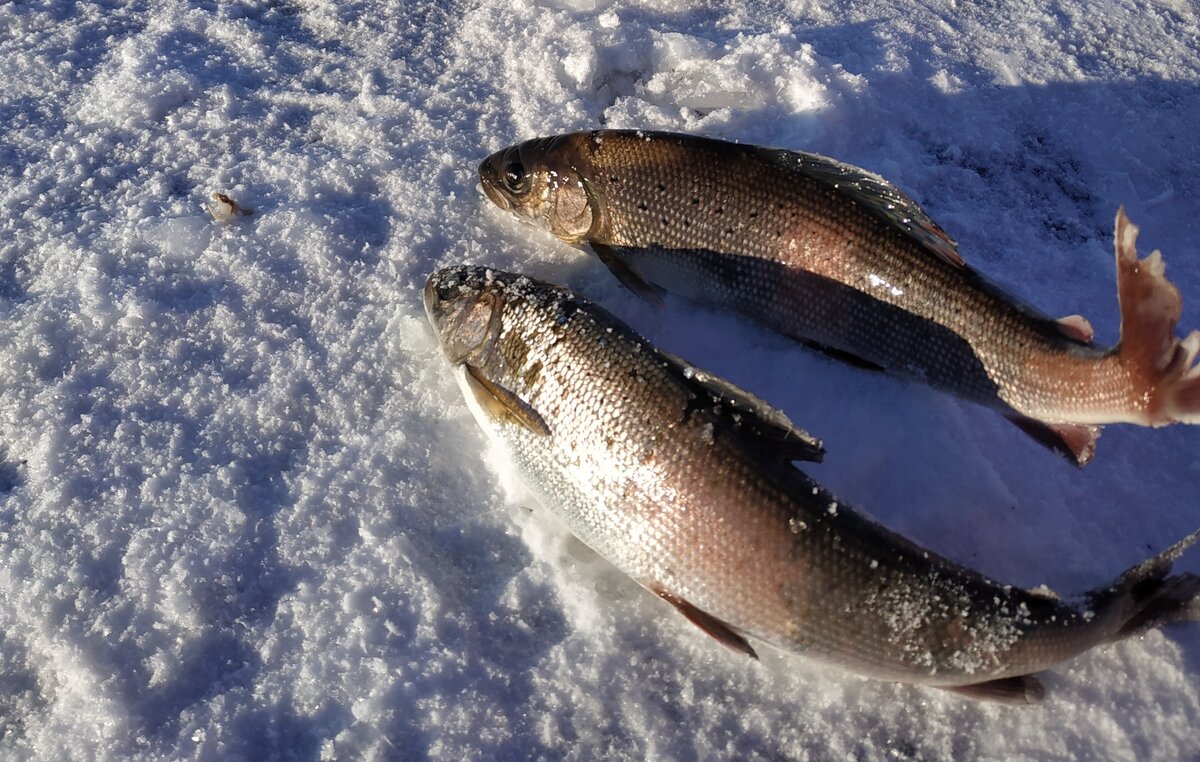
(772, 218)
(677, 479)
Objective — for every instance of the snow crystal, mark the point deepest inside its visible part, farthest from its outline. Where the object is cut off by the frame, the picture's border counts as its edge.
(245, 512)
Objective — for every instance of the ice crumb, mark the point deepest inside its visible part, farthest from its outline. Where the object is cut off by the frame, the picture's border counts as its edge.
(225, 209)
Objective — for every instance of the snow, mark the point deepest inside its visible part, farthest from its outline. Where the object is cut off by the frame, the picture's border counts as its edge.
(244, 511)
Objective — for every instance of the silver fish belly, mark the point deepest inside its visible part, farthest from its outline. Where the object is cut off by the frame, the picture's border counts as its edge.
(688, 485)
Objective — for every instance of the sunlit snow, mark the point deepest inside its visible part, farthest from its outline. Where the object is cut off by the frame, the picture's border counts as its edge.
(245, 512)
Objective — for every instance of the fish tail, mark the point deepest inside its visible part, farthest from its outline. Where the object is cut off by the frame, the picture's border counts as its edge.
(1162, 366)
(1148, 596)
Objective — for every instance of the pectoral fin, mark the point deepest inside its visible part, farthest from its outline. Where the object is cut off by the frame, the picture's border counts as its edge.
(630, 279)
(1023, 689)
(502, 403)
(707, 622)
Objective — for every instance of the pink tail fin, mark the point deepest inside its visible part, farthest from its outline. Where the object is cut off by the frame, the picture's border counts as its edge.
(1149, 349)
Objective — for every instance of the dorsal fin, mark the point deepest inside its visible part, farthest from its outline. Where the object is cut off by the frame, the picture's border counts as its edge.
(878, 197)
(1044, 593)
(751, 414)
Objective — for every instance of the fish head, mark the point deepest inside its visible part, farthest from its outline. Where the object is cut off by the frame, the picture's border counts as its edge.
(468, 307)
(542, 182)
(465, 305)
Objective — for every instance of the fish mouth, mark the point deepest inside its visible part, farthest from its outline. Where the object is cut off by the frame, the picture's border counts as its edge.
(494, 194)
(442, 286)
(429, 297)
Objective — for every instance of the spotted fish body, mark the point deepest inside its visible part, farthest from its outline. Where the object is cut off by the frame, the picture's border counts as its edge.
(836, 256)
(687, 484)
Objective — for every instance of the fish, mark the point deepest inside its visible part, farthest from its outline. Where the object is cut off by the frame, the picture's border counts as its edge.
(692, 487)
(839, 258)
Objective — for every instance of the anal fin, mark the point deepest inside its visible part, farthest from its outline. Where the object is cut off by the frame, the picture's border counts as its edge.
(629, 277)
(1022, 689)
(1074, 441)
(1078, 440)
(724, 634)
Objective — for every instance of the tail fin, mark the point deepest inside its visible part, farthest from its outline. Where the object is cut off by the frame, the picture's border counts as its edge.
(1146, 597)
(1149, 349)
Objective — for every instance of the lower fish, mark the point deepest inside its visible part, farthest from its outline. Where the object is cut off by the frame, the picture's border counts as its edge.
(690, 486)
(837, 256)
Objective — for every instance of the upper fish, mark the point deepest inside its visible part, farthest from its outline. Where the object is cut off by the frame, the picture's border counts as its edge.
(688, 484)
(838, 257)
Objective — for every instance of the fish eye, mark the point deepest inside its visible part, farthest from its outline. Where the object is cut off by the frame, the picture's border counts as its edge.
(515, 178)
(448, 287)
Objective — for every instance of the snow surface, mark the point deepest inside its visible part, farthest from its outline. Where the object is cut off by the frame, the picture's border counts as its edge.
(244, 511)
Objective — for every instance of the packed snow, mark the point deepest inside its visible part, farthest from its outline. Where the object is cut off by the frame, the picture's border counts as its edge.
(245, 513)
